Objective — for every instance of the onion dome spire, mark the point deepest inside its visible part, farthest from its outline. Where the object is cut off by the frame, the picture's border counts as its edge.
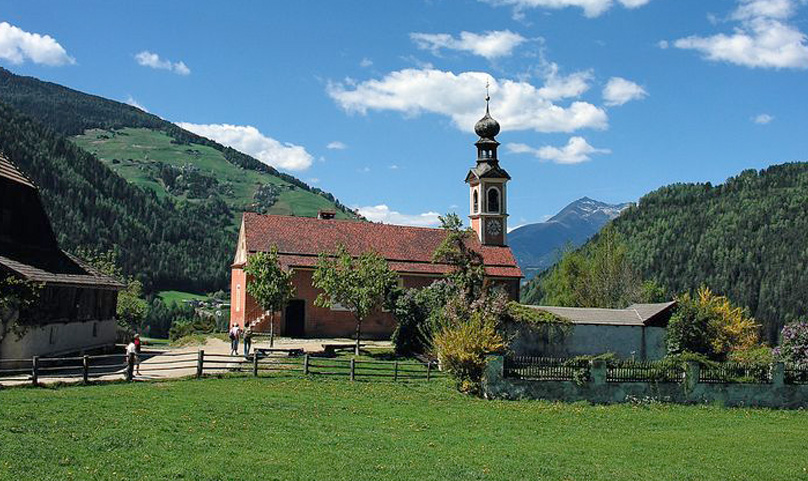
(487, 127)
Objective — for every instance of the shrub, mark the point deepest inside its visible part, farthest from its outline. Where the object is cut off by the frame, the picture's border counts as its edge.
(416, 310)
(794, 343)
(709, 324)
(465, 334)
(187, 327)
(757, 356)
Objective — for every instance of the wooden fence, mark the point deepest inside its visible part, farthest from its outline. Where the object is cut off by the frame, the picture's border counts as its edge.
(117, 367)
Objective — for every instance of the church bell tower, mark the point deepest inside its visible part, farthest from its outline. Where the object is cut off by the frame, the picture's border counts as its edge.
(488, 202)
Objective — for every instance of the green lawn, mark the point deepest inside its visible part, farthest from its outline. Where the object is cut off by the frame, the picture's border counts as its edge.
(169, 297)
(307, 429)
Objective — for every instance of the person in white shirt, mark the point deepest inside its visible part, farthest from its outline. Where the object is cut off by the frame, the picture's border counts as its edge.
(131, 350)
(235, 332)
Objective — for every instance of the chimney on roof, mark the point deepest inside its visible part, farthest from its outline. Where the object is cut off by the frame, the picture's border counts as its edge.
(326, 214)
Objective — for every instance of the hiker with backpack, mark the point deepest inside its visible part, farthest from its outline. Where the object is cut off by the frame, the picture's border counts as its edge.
(235, 332)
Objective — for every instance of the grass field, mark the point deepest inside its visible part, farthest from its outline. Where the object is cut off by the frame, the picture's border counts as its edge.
(169, 297)
(137, 152)
(305, 429)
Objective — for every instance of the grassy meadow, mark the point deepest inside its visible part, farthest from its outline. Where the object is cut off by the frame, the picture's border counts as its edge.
(135, 154)
(291, 428)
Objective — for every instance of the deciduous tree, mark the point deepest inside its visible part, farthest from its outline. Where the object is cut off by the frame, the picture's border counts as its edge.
(360, 284)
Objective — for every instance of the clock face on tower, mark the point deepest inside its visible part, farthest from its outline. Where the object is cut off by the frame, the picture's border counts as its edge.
(493, 227)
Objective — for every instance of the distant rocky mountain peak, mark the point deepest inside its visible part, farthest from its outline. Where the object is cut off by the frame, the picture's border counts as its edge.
(537, 246)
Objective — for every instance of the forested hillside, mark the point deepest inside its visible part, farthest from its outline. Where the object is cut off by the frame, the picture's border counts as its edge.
(72, 113)
(165, 245)
(745, 239)
(172, 213)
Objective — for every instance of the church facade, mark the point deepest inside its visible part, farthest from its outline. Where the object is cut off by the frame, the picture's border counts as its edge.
(408, 251)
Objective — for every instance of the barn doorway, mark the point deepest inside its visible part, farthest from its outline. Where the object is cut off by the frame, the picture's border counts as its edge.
(295, 318)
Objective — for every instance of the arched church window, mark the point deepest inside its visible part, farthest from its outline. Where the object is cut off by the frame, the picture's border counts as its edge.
(493, 199)
(476, 201)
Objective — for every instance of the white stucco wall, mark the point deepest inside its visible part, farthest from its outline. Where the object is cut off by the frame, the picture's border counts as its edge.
(58, 338)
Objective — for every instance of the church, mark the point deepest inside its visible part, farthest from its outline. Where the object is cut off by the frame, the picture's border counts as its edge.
(408, 251)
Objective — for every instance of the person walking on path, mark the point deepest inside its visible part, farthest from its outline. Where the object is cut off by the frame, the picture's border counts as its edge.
(131, 353)
(248, 333)
(235, 331)
(138, 343)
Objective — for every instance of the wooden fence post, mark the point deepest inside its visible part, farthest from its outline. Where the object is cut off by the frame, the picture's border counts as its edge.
(200, 360)
(35, 370)
(130, 366)
(85, 373)
(353, 369)
(395, 371)
(306, 364)
(428, 370)
(255, 364)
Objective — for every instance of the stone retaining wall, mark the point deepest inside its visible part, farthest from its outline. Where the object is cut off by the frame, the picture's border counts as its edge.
(598, 390)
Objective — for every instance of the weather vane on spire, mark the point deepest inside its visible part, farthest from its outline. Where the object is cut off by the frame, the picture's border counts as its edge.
(487, 97)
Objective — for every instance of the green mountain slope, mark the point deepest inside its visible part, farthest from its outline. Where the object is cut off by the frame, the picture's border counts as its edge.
(185, 246)
(745, 239)
(75, 113)
(113, 176)
(194, 172)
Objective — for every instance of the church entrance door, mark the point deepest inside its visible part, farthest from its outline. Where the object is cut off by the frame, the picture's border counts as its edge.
(296, 318)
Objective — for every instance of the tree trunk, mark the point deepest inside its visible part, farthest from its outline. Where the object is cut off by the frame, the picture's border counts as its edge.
(272, 329)
(358, 335)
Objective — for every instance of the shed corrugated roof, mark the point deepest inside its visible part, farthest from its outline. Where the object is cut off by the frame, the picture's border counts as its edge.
(408, 249)
(634, 315)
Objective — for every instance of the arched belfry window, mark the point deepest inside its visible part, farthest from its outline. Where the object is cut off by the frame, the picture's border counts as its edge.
(493, 199)
(476, 202)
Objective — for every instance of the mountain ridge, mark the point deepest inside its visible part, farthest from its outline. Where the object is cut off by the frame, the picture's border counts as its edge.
(537, 246)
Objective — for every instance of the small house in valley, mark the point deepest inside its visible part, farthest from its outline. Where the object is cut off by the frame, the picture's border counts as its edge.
(408, 251)
(74, 307)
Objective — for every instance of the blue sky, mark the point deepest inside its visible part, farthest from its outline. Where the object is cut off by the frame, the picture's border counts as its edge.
(375, 101)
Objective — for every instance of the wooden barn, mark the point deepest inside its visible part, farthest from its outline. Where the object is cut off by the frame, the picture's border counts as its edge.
(75, 306)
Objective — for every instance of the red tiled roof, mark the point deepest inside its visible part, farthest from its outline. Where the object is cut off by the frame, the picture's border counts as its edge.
(406, 249)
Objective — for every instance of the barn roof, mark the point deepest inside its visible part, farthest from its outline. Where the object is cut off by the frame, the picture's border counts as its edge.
(11, 172)
(634, 315)
(407, 249)
(54, 267)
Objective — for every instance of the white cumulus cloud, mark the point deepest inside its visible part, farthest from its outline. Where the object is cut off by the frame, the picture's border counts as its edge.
(576, 151)
(763, 119)
(591, 8)
(763, 37)
(336, 145)
(558, 87)
(517, 105)
(382, 213)
(618, 91)
(17, 46)
(490, 45)
(250, 140)
(152, 60)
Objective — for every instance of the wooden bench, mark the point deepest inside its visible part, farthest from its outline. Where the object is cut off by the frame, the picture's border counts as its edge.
(330, 350)
(265, 352)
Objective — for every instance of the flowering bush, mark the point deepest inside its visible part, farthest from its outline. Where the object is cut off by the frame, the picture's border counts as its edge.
(794, 344)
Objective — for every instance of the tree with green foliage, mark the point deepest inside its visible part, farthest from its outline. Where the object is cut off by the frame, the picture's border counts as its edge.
(468, 270)
(709, 324)
(600, 275)
(269, 284)
(16, 297)
(360, 284)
